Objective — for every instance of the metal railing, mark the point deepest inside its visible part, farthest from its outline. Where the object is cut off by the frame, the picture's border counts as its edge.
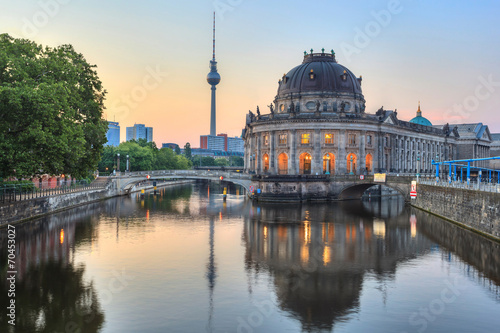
(19, 192)
(483, 186)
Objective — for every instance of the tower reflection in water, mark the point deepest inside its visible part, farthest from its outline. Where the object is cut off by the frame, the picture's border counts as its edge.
(318, 255)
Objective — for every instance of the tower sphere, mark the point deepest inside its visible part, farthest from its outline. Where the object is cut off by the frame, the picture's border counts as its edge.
(213, 78)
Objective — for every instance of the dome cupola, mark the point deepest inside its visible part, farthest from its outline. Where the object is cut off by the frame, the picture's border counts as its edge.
(419, 119)
(320, 84)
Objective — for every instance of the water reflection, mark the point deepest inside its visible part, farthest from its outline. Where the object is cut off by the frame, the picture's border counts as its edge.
(51, 293)
(318, 254)
(479, 257)
(318, 258)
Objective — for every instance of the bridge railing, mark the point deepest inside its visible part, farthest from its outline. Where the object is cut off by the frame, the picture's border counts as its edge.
(486, 187)
(186, 173)
(20, 192)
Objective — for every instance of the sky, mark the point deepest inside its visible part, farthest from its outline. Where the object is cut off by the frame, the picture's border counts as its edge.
(153, 56)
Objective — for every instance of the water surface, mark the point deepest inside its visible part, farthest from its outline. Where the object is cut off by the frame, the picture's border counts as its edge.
(183, 260)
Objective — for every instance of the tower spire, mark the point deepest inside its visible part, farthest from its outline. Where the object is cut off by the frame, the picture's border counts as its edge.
(213, 58)
(419, 112)
(213, 79)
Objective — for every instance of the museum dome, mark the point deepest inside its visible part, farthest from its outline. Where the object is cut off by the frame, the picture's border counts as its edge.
(419, 119)
(319, 72)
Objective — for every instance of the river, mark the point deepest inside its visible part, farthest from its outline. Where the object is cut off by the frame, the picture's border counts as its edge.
(185, 260)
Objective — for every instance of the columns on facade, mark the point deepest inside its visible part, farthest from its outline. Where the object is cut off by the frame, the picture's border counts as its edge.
(251, 157)
(362, 153)
(292, 160)
(258, 154)
(273, 162)
(317, 160)
(379, 155)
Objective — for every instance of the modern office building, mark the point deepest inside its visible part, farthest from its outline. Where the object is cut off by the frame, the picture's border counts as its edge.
(235, 144)
(140, 131)
(113, 133)
(222, 142)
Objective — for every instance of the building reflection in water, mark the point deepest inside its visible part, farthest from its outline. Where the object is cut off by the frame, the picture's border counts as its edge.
(319, 254)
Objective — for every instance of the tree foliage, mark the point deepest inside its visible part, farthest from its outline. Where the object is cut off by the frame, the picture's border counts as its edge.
(143, 156)
(187, 150)
(234, 161)
(51, 104)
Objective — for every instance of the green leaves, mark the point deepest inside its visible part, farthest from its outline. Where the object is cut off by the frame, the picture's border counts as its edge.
(51, 105)
(143, 156)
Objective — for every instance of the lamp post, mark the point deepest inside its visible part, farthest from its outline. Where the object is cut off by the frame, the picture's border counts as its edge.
(418, 166)
(351, 173)
(118, 162)
(437, 168)
(327, 164)
(128, 170)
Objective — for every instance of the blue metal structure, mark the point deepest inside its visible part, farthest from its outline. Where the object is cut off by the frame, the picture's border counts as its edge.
(461, 165)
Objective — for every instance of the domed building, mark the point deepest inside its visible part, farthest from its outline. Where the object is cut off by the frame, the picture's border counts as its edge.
(317, 125)
(419, 119)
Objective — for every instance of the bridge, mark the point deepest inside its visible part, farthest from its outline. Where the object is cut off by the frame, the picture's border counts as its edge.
(275, 188)
(126, 181)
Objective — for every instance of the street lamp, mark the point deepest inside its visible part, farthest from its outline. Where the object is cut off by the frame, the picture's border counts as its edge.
(437, 168)
(327, 164)
(118, 162)
(351, 173)
(418, 166)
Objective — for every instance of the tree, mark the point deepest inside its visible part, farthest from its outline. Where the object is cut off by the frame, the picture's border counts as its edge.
(51, 105)
(236, 161)
(177, 150)
(187, 150)
(143, 156)
(221, 162)
(108, 160)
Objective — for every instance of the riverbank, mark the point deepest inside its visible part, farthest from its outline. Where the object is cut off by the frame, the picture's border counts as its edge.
(474, 210)
(22, 211)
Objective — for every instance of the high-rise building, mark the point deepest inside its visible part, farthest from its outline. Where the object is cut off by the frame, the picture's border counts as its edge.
(235, 145)
(213, 79)
(113, 133)
(140, 131)
(213, 142)
(222, 142)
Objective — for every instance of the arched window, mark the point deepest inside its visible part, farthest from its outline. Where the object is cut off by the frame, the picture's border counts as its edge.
(265, 162)
(305, 164)
(329, 164)
(282, 164)
(351, 163)
(369, 163)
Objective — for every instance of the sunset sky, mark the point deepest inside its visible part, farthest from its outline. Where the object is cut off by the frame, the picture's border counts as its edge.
(153, 56)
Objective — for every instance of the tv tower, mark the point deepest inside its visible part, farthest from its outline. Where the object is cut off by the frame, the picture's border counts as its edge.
(213, 79)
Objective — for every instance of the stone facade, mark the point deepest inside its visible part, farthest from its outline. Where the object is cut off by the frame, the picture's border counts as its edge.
(318, 125)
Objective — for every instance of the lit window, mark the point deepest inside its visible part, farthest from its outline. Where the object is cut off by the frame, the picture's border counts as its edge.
(352, 139)
(305, 138)
(266, 140)
(329, 138)
(312, 76)
(283, 139)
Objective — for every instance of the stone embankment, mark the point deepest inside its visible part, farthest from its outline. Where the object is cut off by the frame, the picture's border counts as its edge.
(475, 210)
(20, 211)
